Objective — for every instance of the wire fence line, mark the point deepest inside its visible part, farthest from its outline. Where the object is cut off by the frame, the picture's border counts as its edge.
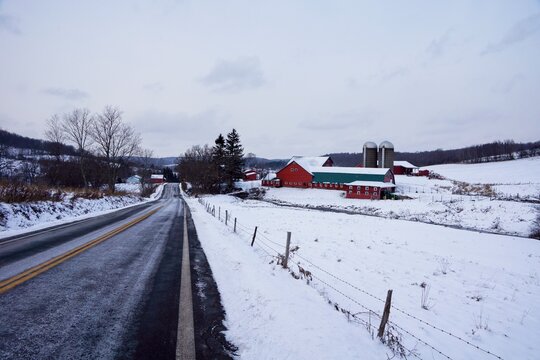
(262, 240)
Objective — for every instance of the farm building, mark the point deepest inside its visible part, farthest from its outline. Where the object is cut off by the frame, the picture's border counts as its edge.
(404, 168)
(157, 179)
(250, 175)
(368, 189)
(298, 171)
(343, 175)
(135, 179)
(318, 172)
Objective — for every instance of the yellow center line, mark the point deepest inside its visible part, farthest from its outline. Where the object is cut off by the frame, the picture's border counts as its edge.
(13, 281)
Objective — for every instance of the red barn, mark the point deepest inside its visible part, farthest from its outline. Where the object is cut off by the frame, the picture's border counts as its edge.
(250, 175)
(297, 172)
(404, 168)
(157, 179)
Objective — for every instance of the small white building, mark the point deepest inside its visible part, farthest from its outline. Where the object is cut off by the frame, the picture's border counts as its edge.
(135, 179)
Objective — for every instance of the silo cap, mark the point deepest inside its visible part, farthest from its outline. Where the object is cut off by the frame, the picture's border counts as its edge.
(370, 145)
(387, 145)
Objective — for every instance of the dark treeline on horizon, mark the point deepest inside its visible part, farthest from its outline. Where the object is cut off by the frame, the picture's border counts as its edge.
(39, 146)
(494, 151)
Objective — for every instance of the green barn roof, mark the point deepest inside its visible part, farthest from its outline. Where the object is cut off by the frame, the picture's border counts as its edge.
(343, 175)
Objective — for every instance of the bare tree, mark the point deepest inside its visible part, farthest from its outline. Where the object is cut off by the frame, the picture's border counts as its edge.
(197, 167)
(116, 141)
(76, 126)
(5, 163)
(145, 172)
(54, 132)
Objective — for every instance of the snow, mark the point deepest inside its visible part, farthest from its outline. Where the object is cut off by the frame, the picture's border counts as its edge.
(247, 185)
(510, 178)
(426, 205)
(309, 162)
(26, 217)
(268, 314)
(484, 288)
(405, 164)
(371, 183)
(129, 188)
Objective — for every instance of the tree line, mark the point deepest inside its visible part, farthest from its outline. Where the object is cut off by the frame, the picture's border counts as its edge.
(213, 169)
(494, 151)
(83, 149)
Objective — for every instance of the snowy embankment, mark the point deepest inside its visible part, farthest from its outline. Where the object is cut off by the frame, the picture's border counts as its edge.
(23, 217)
(480, 288)
(269, 315)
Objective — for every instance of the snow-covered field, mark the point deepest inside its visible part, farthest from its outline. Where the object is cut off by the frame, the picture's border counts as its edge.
(473, 212)
(461, 200)
(481, 288)
(23, 217)
(507, 177)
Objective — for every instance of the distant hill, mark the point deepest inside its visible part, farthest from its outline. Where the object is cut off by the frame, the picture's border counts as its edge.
(22, 142)
(262, 163)
(495, 151)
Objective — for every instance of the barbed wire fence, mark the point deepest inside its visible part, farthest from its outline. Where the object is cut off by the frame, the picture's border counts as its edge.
(276, 251)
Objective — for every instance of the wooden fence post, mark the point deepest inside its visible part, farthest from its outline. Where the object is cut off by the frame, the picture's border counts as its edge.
(234, 225)
(226, 217)
(386, 314)
(287, 246)
(254, 234)
(219, 213)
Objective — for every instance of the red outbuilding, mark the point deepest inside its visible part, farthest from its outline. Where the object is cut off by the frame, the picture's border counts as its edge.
(404, 168)
(250, 175)
(157, 179)
(368, 189)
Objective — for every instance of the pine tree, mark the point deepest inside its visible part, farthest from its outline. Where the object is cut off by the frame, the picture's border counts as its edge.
(234, 154)
(219, 158)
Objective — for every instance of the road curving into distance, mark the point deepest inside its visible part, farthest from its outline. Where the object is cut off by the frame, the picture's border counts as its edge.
(109, 288)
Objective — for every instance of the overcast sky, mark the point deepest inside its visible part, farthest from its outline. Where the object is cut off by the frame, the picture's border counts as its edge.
(293, 77)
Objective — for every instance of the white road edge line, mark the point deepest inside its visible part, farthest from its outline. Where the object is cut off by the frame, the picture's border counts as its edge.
(185, 342)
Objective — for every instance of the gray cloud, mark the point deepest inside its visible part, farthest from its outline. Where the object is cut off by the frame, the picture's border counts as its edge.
(9, 23)
(242, 74)
(69, 94)
(438, 46)
(155, 87)
(340, 121)
(171, 133)
(521, 30)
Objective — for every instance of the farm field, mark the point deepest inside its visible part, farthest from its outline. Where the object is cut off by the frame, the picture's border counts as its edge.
(515, 177)
(461, 199)
(481, 288)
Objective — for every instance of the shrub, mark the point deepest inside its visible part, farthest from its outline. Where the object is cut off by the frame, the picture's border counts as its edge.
(15, 192)
(535, 233)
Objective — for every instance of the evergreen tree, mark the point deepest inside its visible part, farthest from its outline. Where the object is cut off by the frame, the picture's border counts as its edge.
(218, 158)
(234, 155)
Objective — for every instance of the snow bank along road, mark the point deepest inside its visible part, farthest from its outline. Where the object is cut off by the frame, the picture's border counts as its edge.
(118, 286)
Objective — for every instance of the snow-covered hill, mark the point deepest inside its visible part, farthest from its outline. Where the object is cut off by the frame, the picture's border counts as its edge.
(511, 177)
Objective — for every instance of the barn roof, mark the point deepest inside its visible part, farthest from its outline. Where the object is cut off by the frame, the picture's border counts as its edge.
(379, 184)
(350, 170)
(405, 164)
(309, 162)
(156, 176)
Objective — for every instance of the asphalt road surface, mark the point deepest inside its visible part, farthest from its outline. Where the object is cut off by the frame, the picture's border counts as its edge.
(110, 288)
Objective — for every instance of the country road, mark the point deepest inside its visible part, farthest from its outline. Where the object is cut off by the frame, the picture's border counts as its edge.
(111, 287)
